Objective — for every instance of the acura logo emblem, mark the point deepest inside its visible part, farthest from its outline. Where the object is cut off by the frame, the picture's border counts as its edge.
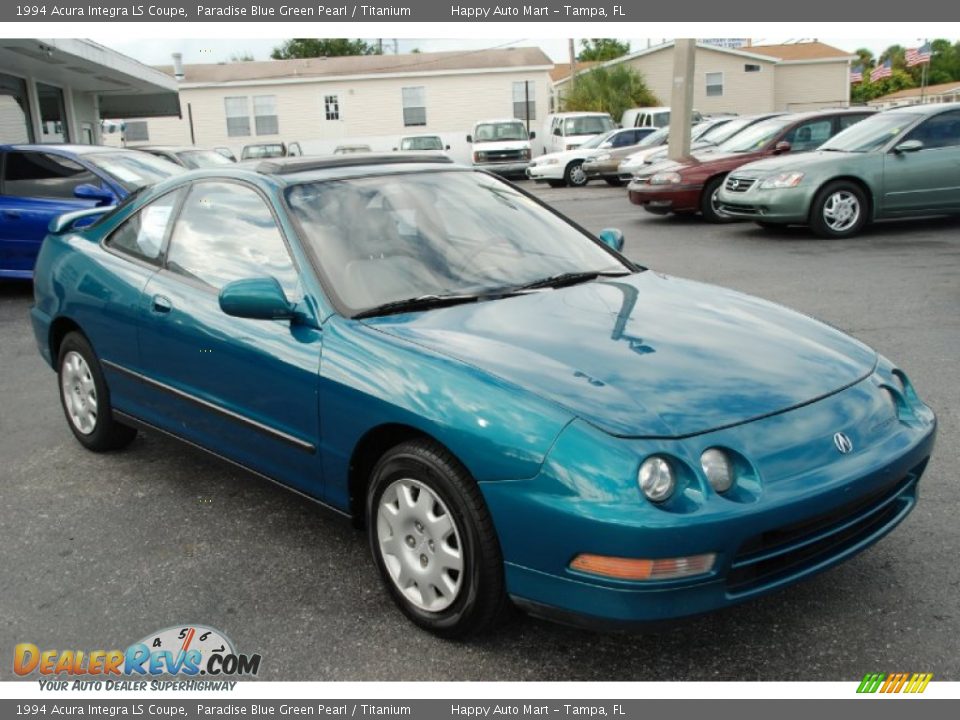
(843, 443)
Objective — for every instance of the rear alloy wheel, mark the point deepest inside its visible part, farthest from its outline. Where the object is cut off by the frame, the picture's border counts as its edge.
(709, 207)
(575, 174)
(839, 210)
(86, 398)
(433, 541)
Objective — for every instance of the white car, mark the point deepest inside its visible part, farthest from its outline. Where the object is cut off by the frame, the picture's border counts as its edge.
(501, 146)
(566, 167)
(569, 130)
(430, 144)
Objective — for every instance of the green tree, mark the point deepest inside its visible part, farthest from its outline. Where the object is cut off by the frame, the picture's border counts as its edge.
(601, 49)
(325, 47)
(244, 56)
(866, 91)
(865, 60)
(610, 90)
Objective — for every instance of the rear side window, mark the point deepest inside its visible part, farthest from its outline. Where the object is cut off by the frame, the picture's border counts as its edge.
(44, 175)
(142, 234)
(226, 232)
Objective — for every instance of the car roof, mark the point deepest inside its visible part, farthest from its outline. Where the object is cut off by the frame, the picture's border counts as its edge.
(171, 148)
(291, 170)
(580, 113)
(63, 148)
(926, 108)
(498, 120)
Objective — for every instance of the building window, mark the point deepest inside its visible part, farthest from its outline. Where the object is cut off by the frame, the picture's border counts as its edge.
(238, 116)
(414, 106)
(331, 105)
(265, 114)
(714, 84)
(751, 68)
(53, 116)
(524, 100)
(15, 123)
(136, 131)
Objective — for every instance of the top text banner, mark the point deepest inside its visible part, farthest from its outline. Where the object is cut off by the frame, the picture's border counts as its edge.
(467, 11)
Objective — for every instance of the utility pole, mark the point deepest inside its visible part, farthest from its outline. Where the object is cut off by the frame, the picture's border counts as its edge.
(681, 98)
(573, 64)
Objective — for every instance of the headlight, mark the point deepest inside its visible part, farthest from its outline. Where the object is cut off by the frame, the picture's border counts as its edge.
(783, 180)
(718, 469)
(656, 479)
(602, 158)
(551, 161)
(665, 178)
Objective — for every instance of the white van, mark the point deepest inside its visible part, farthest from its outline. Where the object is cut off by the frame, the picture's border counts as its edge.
(657, 117)
(501, 146)
(569, 130)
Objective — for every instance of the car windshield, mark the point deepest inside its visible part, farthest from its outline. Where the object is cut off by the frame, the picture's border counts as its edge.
(262, 151)
(756, 136)
(395, 237)
(728, 130)
(497, 132)
(133, 170)
(718, 130)
(421, 143)
(870, 134)
(194, 159)
(587, 125)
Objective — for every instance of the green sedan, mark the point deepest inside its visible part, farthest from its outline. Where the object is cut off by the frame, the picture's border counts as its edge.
(899, 163)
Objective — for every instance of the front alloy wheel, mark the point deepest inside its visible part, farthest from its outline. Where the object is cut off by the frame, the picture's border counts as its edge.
(433, 540)
(839, 210)
(575, 174)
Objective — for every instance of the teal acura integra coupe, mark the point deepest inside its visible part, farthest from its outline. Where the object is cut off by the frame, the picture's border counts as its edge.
(900, 163)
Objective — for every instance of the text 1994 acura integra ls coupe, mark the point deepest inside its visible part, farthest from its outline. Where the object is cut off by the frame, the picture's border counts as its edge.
(512, 408)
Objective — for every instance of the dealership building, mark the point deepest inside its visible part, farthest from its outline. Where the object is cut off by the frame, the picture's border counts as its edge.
(58, 90)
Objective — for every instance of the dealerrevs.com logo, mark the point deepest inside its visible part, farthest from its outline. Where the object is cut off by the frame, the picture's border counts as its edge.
(887, 683)
(187, 651)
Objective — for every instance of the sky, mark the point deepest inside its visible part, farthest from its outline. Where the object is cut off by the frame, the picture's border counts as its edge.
(157, 51)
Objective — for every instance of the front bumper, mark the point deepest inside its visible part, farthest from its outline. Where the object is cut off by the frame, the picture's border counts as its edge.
(510, 169)
(786, 205)
(543, 173)
(664, 198)
(808, 508)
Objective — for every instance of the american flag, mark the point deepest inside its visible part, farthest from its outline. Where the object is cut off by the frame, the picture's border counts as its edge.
(919, 56)
(856, 74)
(881, 71)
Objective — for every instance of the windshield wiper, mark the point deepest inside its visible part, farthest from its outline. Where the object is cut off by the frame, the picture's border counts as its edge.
(421, 302)
(570, 278)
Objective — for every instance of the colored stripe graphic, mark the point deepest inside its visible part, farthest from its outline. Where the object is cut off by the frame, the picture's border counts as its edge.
(895, 683)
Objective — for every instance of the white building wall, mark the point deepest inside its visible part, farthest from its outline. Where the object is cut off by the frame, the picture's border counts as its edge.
(812, 86)
(371, 110)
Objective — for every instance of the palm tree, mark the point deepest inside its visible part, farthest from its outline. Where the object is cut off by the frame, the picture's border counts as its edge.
(610, 90)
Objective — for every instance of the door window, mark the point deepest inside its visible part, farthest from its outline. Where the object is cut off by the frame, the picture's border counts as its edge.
(142, 234)
(226, 232)
(34, 174)
(809, 135)
(940, 131)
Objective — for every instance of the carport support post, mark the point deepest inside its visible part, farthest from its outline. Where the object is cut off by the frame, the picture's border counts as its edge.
(681, 98)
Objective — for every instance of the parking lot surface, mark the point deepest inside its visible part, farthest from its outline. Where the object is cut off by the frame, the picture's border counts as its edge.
(98, 551)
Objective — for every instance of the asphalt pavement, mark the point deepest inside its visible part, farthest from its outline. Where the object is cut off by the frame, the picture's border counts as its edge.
(97, 551)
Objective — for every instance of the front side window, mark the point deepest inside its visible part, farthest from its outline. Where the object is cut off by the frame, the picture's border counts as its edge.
(238, 116)
(265, 114)
(940, 131)
(331, 106)
(524, 100)
(226, 232)
(34, 174)
(809, 135)
(414, 105)
(398, 236)
(714, 84)
(142, 234)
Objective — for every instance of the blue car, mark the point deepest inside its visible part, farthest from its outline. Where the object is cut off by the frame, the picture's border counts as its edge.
(515, 412)
(40, 182)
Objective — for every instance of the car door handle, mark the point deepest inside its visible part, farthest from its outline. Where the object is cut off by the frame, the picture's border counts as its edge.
(161, 304)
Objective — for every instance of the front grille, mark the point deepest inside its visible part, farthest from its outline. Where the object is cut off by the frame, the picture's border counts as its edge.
(739, 184)
(739, 209)
(791, 549)
(502, 155)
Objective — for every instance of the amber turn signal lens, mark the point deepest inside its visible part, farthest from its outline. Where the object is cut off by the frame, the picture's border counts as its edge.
(643, 569)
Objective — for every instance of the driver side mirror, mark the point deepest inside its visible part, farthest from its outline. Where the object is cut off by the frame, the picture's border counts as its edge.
(259, 298)
(556, 131)
(86, 191)
(781, 147)
(469, 140)
(612, 238)
(533, 134)
(908, 146)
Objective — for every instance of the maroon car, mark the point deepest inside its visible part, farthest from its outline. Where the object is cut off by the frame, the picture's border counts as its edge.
(691, 185)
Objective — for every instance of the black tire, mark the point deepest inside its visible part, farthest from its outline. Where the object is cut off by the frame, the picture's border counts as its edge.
(829, 193)
(481, 600)
(707, 208)
(574, 175)
(614, 182)
(556, 183)
(769, 225)
(86, 383)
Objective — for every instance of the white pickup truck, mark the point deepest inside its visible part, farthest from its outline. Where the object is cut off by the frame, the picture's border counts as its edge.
(501, 146)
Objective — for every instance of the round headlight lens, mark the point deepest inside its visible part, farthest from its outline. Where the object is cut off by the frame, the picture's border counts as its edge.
(718, 469)
(656, 479)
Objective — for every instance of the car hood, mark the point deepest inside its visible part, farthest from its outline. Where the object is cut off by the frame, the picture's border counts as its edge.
(646, 355)
(798, 162)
